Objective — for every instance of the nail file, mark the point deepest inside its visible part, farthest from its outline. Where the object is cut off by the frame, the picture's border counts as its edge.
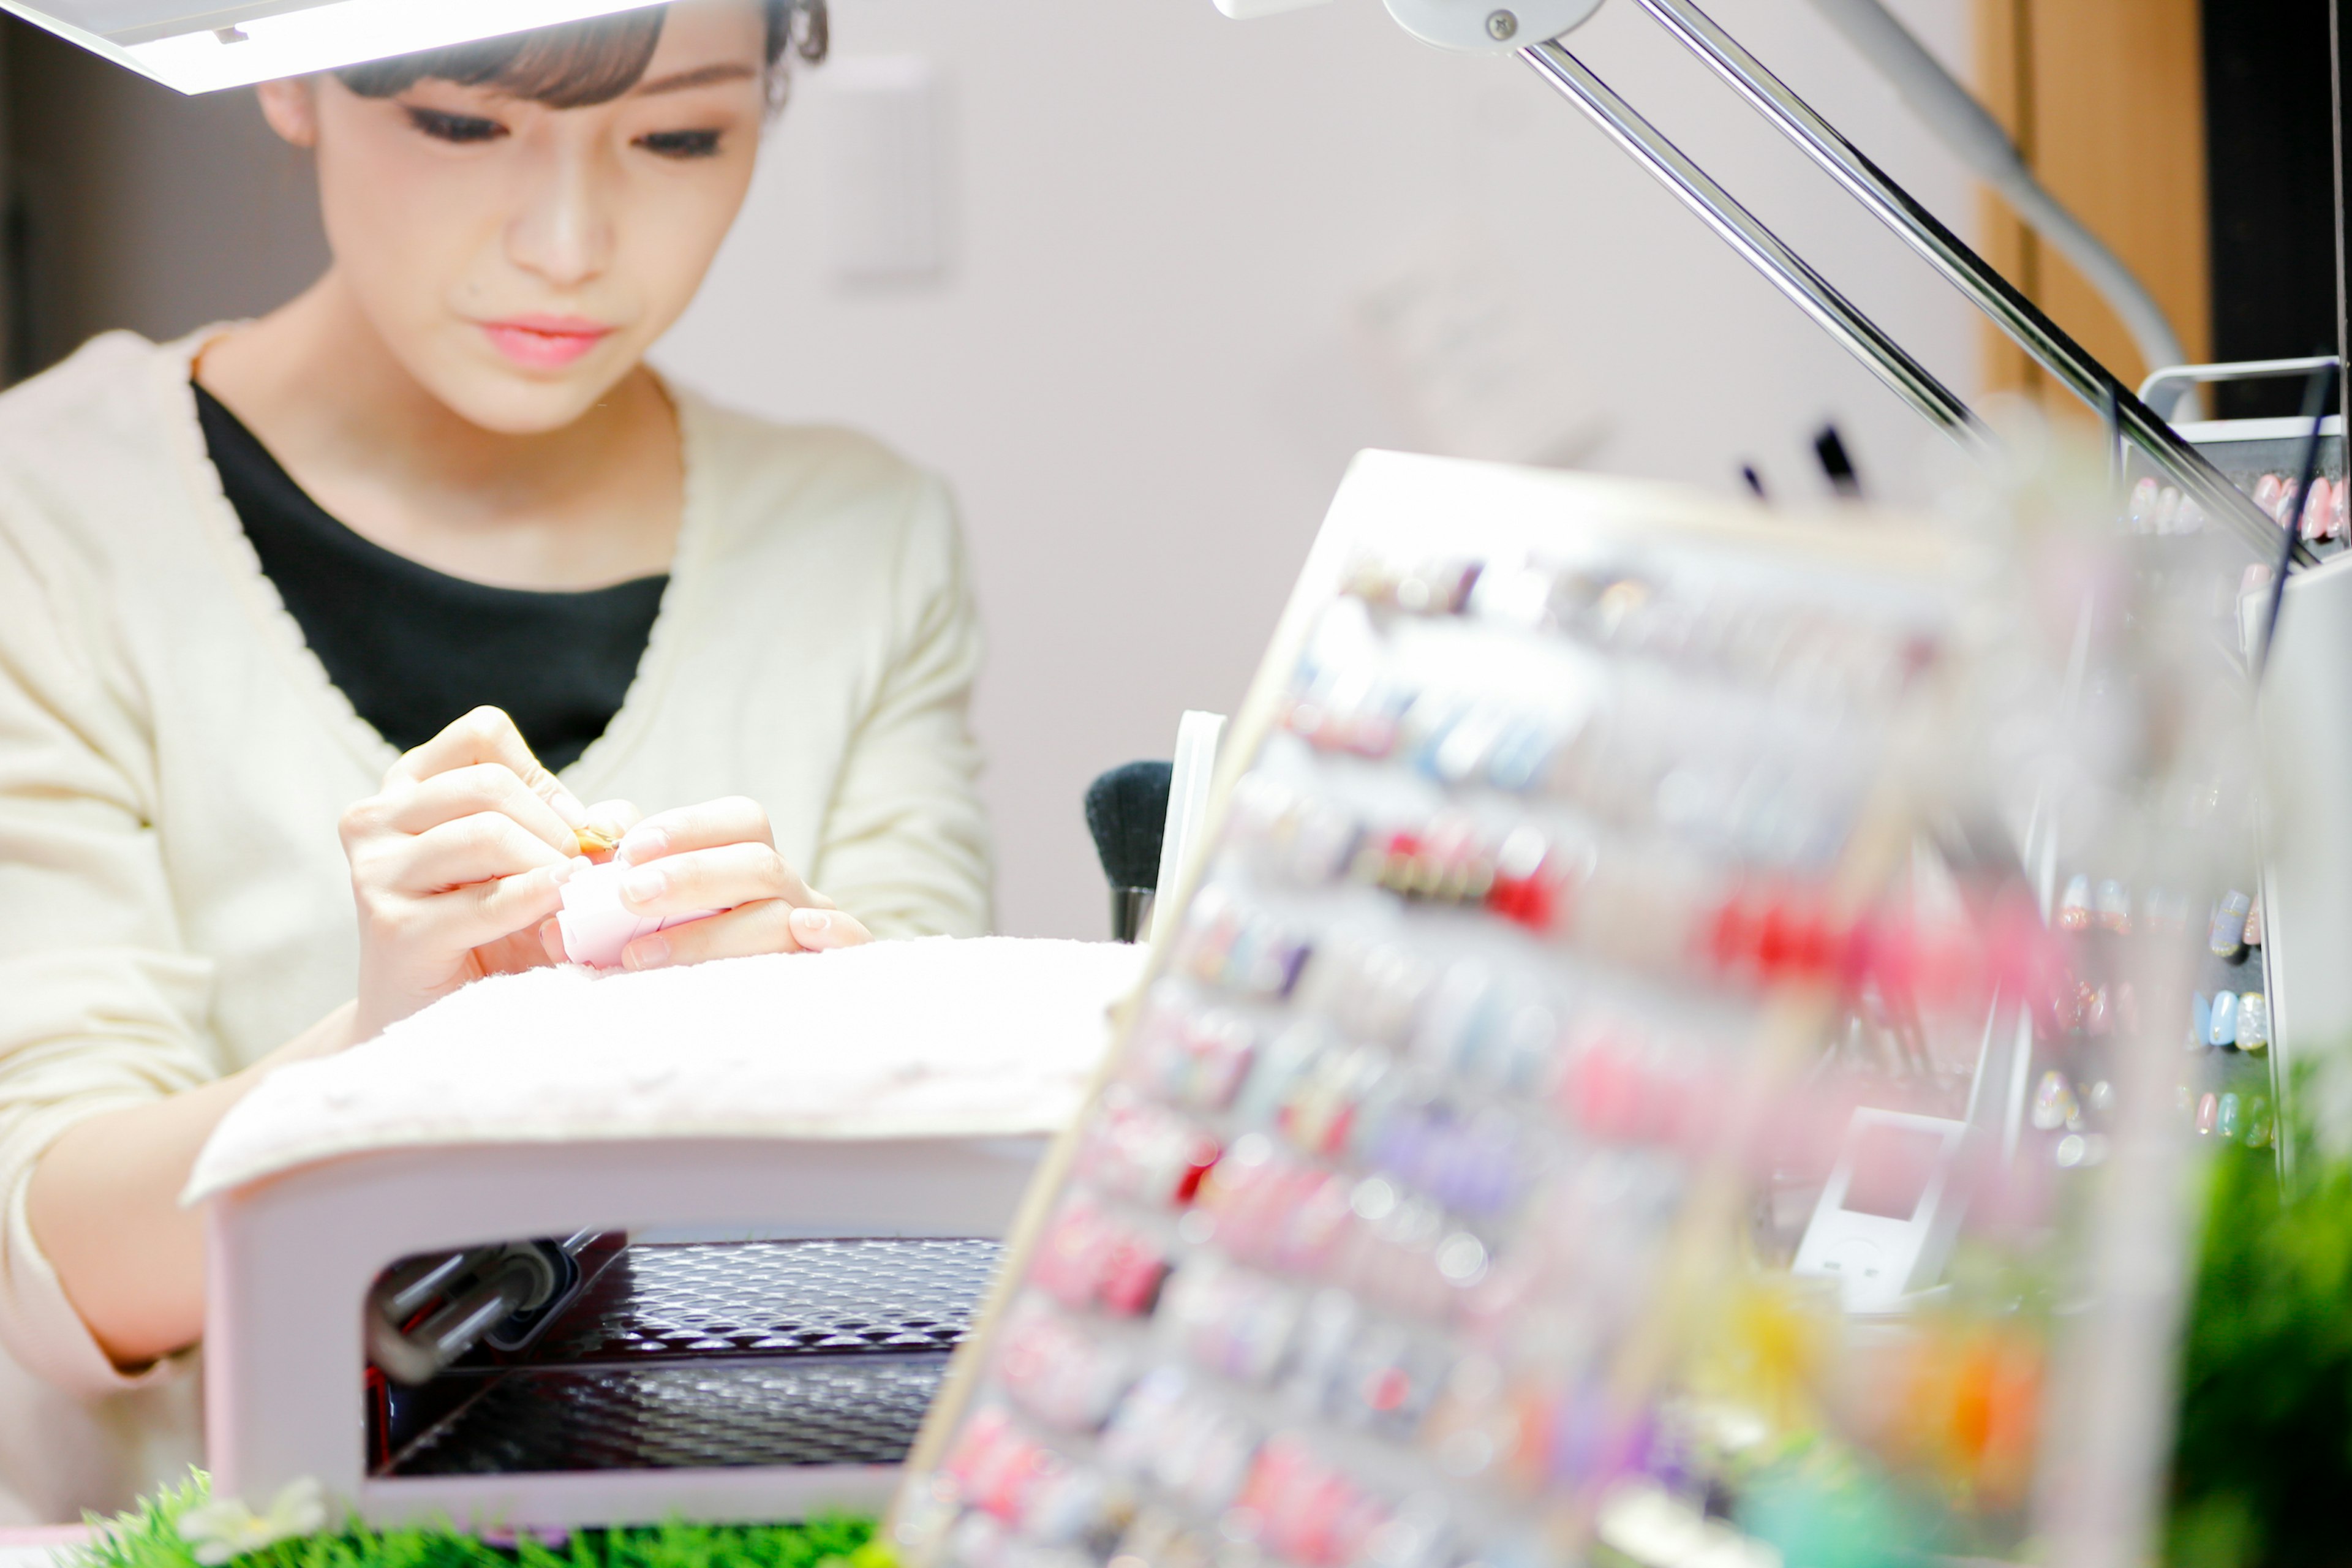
(596, 925)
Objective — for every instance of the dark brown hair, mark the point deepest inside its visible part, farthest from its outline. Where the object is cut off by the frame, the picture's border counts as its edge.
(581, 63)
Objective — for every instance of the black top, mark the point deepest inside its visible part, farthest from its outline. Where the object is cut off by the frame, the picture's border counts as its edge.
(415, 648)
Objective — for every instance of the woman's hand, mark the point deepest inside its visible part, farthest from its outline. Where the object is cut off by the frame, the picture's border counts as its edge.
(721, 856)
(454, 863)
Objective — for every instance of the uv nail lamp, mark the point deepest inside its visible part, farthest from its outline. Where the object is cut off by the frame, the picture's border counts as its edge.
(830, 1147)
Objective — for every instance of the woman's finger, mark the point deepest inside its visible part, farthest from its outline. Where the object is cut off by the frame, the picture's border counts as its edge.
(488, 735)
(488, 911)
(716, 879)
(483, 912)
(416, 807)
(482, 848)
(762, 927)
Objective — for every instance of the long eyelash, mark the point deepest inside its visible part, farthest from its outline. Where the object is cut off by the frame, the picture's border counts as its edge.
(681, 143)
(460, 128)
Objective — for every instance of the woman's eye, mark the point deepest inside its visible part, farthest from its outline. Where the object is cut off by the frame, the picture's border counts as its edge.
(443, 127)
(681, 143)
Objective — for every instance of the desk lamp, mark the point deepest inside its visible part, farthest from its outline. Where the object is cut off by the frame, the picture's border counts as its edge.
(1535, 30)
(201, 46)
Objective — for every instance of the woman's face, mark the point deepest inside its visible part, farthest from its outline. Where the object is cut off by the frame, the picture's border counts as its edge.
(518, 260)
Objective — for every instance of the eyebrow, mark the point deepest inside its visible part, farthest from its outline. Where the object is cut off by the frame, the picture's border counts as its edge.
(703, 76)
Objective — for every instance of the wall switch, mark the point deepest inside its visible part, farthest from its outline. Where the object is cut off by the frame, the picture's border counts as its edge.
(884, 127)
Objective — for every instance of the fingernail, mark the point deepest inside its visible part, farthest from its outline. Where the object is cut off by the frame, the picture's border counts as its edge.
(644, 844)
(812, 922)
(570, 869)
(646, 952)
(644, 884)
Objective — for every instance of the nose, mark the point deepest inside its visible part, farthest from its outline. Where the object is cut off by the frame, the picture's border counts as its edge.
(562, 228)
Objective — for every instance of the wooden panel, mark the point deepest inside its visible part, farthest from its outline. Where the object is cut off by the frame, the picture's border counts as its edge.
(2106, 98)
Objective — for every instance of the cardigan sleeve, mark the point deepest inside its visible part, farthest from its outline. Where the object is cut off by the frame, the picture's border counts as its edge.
(104, 1006)
(905, 846)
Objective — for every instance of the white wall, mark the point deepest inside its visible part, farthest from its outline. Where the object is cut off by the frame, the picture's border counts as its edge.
(1139, 372)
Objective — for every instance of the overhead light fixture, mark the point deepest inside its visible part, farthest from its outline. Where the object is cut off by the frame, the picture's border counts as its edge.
(198, 47)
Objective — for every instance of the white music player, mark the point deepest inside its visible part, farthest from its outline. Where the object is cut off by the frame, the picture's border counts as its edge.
(1884, 1223)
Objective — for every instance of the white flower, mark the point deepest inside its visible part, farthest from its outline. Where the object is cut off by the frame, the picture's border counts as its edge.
(225, 1528)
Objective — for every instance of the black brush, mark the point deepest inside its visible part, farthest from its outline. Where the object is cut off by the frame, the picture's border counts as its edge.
(1126, 811)
(1830, 448)
(2317, 393)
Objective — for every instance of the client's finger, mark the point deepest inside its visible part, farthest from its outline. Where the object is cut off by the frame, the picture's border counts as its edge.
(733, 819)
(715, 878)
(488, 735)
(818, 929)
(762, 927)
(467, 791)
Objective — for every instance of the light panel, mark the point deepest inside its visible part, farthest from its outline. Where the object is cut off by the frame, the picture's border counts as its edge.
(206, 50)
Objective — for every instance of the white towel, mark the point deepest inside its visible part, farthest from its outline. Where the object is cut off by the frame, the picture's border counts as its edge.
(938, 1038)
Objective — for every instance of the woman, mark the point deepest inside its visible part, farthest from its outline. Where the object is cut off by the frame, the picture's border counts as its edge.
(253, 577)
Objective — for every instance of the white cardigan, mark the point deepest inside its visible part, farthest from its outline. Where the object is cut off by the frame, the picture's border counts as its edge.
(173, 900)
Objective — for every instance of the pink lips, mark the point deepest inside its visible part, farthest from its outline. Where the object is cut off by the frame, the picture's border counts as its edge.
(545, 342)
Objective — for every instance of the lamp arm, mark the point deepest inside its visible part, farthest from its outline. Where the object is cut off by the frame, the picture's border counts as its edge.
(1950, 110)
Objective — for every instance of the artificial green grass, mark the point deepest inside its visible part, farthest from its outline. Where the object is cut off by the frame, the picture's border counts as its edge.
(150, 1538)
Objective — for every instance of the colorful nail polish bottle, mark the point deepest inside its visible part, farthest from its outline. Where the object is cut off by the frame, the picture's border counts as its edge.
(2228, 936)
(2115, 907)
(2223, 1030)
(2054, 1102)
(2074, 907)
(2253, 1021)
(2226, 1119)
(2209, 1111)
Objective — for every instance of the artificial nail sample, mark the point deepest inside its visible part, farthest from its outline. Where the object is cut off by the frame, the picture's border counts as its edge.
(2223, 1029)
(2074, 907)
(2054, 1102)
(2253, 1021)
(2228, 936)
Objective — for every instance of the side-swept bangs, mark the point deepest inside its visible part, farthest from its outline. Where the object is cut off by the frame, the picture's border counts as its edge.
(580, 63)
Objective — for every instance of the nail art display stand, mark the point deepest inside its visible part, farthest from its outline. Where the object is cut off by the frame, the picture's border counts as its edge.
(1569, 1117)
(814, 1159)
